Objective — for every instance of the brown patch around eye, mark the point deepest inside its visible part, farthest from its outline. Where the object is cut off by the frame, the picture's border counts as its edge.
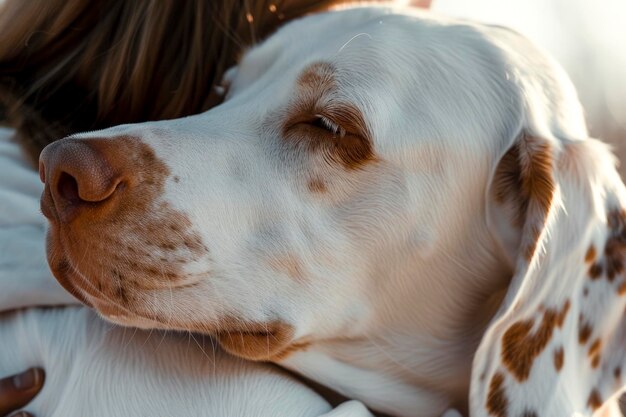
(316, 97)
(317, 76)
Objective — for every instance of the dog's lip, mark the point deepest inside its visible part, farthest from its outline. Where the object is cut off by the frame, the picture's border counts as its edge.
(46, 205)
(65, 276)
(263, 341)
(124, 317)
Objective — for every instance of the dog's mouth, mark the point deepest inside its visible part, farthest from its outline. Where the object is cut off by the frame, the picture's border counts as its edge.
(259, 341)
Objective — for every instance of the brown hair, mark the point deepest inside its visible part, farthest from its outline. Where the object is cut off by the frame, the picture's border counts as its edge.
(76, 65)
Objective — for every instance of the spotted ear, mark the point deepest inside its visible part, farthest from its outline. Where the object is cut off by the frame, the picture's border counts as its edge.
(556, 207)
(522, 200)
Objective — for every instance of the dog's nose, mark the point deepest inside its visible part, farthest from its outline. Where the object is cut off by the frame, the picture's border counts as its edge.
(78, 175)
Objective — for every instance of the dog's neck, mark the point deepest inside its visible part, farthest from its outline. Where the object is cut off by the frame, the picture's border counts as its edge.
(430, 311)
(565, 306)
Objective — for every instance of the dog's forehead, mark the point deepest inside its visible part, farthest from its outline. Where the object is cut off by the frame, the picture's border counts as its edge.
(388, 63)
(355, 41)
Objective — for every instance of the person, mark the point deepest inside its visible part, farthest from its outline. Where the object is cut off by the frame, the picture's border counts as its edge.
(68, 66)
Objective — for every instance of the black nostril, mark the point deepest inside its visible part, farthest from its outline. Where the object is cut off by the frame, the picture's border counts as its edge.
(42, 171)
(67, 187)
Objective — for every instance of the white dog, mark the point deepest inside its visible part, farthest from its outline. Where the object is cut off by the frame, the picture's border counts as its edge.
(402, 207)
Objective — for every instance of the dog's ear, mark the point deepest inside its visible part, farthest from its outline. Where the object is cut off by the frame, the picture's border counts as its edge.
(556, 208)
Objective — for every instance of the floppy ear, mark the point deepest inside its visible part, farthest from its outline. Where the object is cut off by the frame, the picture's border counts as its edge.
(556, 345)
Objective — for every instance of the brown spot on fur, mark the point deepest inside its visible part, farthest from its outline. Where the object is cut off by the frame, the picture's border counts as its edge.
(585, 292)
(621, 290)
(617, 372)
(615, 247)
(507, 184)
(584, 330)
(590, 256)
(520, 345)
(317, 185)
(497, 402)
(594, 353)
(529, 413)
(537, 182)
(595, 347)
(352, 147)
(595, 270)
(559, 358)
(595, 361)
(614, 266)
(595, 400)
(524, 180)
(317, 76)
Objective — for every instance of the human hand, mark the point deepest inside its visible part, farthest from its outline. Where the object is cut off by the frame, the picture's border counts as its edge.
(18, 390)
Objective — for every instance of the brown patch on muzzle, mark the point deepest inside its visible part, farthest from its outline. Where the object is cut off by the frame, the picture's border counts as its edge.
(132, 239)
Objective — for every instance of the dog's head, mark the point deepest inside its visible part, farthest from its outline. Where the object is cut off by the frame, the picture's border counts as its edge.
(350, 145)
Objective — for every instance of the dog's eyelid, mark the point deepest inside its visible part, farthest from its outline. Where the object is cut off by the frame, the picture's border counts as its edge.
(339, 120)
(326, 123)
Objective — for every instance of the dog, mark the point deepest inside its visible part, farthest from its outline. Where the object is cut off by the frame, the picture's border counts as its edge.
(403, 207)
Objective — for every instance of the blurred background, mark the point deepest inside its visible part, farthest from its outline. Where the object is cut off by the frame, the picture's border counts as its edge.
(587, 37)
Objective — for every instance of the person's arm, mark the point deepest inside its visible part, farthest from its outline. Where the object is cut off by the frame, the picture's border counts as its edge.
(18, 390)
(25, 279)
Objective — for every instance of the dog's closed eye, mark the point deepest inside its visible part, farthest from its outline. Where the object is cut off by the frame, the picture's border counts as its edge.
(339, 132)
(324, 123)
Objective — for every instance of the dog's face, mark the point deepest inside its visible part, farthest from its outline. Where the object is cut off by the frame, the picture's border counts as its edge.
(347, 143)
